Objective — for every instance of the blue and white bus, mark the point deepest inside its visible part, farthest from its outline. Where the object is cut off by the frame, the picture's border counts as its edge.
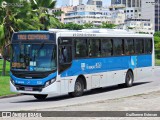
(68, 62)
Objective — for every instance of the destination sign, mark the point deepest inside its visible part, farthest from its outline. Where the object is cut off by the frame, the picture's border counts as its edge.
(33, 36)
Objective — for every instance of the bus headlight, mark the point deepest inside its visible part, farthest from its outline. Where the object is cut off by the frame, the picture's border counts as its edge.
(53, 80)
(50, 82)
(12, 81)
(47, 84)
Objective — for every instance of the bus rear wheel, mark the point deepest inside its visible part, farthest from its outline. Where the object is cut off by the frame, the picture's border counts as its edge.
(40, 97)
(78, 88)
(129, 79)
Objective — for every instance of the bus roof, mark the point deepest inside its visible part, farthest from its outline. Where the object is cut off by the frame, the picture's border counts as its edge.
(91, 33)
(98, 33)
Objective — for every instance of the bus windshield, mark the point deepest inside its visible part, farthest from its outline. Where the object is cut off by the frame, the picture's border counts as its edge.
(33, 57)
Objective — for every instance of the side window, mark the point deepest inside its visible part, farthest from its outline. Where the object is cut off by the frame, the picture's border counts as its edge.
(80, 48)
(139, 46)
(65, 54)
(94, 48)
(148, 46)
(129, 47)
(118, 47)
(107, 47)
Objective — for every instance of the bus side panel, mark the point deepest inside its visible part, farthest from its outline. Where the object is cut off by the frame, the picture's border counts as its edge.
(99, 72)
(144, 66)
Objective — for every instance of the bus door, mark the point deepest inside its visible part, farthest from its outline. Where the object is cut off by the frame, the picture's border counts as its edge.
(65, 62)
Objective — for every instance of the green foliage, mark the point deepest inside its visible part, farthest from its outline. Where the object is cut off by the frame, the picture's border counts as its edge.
(157, 40)
(106, 25)
(88, 25)
(55, 23)
(131, 28)
(4, 80)
(73, 26)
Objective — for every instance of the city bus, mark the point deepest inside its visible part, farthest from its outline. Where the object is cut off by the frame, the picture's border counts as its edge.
(57, 62)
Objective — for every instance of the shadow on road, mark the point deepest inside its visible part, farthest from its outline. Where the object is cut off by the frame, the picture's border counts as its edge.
(90, 92)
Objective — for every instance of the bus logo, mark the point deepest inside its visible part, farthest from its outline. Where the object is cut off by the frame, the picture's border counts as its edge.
(83, 65)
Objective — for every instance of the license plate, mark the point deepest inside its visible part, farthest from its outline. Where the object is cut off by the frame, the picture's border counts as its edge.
(28, 89)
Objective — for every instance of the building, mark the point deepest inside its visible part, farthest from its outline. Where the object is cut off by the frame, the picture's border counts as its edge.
(127, 3)
(116, 2)
(70, 2)
(151, 10)
(132, 7)
(138, 26)
(87, 14)
(91, 14)
(64, 9)
(98, 3)
(148, 10)
(157, 15)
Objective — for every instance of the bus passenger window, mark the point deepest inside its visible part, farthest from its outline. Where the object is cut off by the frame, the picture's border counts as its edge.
(107, 48)
(148, 46)
(80, 48)
(139, 43)
(94, 48)
(118, 46)
(129, 47)
(65, 54)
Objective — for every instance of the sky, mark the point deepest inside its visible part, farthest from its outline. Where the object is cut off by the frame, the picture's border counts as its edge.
(105, 2)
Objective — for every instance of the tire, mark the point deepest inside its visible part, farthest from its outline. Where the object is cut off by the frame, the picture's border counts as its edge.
(78, 88)
(129, 79)
(40, 97)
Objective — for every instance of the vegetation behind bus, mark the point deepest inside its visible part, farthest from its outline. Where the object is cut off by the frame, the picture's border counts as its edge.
(4, 81)
(157, 47)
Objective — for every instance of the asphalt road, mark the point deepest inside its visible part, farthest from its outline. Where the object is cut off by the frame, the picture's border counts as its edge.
(30, 103)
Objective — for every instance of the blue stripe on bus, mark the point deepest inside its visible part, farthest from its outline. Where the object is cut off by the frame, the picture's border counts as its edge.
(93, 65)
(97, 65)
(34, 31)
(144, 61)
(32, 82)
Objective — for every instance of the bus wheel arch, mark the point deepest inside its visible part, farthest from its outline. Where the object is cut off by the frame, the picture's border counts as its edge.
(79, 86)
(84, 80)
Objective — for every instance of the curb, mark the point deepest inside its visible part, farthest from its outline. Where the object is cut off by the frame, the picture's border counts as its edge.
(9, 96)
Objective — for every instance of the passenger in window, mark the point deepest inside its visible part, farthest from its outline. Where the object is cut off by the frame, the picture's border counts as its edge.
(61, 56)
(65, 54)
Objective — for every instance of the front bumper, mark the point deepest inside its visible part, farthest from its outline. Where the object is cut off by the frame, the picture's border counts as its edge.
(52, 89)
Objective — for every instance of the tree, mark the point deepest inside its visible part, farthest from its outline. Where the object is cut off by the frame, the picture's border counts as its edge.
(106, 25)
(6, 28)
(88, 25)
(41, 8)
(14, 19)
(73, 26)
(32, 15)
(157, 40)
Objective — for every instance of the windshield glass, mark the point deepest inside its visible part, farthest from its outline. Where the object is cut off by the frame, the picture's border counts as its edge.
(33, 57)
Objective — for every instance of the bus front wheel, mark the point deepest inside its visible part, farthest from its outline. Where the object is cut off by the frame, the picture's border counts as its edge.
(129, 79)
(40, 97)
(78, 88)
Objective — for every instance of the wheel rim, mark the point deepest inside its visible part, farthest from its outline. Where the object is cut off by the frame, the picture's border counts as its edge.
(78, 87)
(129, 79)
